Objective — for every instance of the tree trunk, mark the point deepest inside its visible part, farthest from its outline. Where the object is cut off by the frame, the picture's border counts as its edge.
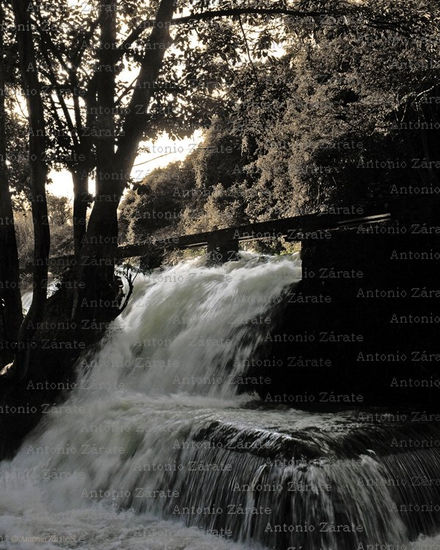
(113, 168)
(101, 239)
(80, 179)
(37, 153)
(136, 121)
(11, 309)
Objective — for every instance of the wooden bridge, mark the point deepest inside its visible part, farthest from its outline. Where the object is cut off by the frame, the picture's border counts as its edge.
(222, 244)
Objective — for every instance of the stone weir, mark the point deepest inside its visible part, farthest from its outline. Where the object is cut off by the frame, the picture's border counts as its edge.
(362, 326)
(348, 484)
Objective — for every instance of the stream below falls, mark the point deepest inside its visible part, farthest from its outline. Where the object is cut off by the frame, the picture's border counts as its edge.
(155, 450)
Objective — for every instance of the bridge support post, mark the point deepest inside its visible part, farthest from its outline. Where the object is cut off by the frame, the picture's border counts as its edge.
(222, 248)
(151, 260)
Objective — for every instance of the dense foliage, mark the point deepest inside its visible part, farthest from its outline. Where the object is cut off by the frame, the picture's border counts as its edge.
(346, 114)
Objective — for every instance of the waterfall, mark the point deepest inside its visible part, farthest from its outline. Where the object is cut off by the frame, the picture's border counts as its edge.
(154, 449)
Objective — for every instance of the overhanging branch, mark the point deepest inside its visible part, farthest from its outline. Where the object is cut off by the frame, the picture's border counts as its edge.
(206, 16)
(395, 24)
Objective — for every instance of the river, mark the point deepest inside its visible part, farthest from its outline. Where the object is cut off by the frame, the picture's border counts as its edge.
(154, 449)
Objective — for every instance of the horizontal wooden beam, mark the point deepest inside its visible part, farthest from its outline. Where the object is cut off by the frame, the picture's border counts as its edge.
(297, 228)
(293, 229)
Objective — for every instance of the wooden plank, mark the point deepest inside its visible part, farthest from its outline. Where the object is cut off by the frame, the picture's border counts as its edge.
(293, 229)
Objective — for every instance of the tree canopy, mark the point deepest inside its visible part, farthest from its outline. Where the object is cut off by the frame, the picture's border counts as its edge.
(346, 113)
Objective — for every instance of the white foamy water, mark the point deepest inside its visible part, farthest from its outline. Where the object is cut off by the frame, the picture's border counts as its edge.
(155, 430)
(161, 371)
(426, 543)
(26, 297)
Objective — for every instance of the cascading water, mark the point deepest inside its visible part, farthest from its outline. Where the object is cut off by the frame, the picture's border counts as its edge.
(155, 450)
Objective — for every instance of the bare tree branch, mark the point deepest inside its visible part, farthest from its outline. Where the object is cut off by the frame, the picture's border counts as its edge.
(51, 76)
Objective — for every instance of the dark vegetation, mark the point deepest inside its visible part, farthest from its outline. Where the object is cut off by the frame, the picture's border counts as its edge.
(347, 114)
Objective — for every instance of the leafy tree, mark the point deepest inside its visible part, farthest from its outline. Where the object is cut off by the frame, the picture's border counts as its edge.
(324, 125)
(361, 94)
(155, 206)
(201, 193)
(218, 196)
(201, 61)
